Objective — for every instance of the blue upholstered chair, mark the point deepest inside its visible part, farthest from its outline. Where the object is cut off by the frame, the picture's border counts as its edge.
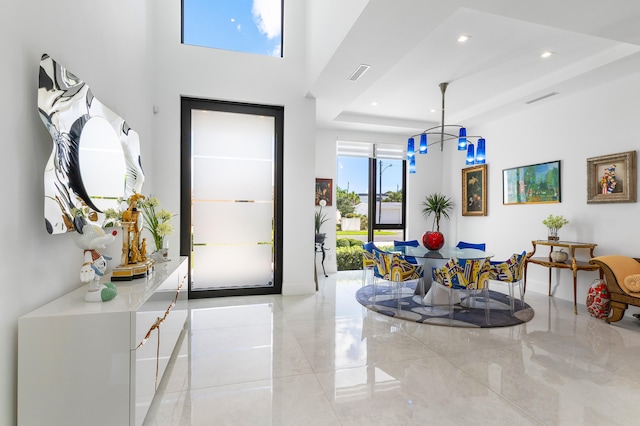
(368, 262)
(471, 275)
(511, 272)
(408, 243)
(395, 269)
(464, 245)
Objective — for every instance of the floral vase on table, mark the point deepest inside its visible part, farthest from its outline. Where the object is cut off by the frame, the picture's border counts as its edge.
(158, 223)
(553, 224)
(162, 254)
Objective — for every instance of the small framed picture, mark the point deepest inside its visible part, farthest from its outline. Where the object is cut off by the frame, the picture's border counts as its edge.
(474, 191)
(324, 191)
(612, 178)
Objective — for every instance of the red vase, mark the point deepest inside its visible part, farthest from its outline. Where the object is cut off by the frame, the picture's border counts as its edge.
(433, 240)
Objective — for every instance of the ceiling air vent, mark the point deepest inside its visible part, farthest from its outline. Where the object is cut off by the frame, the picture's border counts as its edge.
(541, 98)
(362, 68)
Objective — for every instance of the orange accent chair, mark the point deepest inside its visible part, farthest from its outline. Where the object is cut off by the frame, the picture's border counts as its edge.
(622, 275)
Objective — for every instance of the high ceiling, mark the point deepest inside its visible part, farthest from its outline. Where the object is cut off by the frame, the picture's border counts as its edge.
(411, 46)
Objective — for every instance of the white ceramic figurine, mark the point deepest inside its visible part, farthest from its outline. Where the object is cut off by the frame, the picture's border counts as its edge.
(90, 240)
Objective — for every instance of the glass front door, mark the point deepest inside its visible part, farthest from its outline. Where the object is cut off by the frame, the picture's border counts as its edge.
(232, 208)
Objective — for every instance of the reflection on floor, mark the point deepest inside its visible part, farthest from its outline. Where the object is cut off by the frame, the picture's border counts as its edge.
(323, 359)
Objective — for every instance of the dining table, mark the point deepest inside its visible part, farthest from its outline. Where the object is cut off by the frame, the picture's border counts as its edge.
(430, 259)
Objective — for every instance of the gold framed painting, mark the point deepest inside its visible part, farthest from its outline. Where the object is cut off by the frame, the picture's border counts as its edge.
(532, 184)
(474, 191)
(612, 178)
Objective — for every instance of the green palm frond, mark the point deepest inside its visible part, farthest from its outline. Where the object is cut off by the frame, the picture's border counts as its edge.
(438, 205)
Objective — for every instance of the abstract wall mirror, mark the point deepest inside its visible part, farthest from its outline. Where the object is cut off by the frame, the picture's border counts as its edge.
(95, 158)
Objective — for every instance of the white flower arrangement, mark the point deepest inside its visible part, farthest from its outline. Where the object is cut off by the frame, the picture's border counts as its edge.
(156, 222)
(555, 222)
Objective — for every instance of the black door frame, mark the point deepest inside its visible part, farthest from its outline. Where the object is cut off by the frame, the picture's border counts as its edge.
(373, 189)
(188, 104)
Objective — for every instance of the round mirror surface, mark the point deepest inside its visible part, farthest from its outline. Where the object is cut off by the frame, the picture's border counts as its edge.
(102, 164)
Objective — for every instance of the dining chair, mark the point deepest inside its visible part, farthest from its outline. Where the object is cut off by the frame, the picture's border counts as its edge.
(396, 270)
(511, 272)
(368, 262)
(470, 275)
(407, 243)
(478, 246)
(410, 243)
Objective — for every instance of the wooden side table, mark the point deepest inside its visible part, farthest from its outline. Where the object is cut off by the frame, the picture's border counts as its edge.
(570, 263)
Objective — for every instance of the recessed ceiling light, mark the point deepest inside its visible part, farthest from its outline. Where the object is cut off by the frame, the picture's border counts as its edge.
(374, 103)
(546, 54)
(463, 38)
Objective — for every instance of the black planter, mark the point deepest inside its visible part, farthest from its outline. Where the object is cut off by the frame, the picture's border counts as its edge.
(320, 238)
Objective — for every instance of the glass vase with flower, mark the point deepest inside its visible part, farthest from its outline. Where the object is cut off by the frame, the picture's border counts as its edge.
(553, 224)
(158, 222)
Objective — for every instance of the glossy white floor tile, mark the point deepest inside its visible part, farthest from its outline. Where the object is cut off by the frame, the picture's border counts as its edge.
(323, 359)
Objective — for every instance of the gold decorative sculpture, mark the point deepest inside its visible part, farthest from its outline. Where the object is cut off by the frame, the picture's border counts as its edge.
(133, 261)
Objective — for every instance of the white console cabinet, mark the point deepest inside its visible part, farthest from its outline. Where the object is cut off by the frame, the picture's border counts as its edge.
(82, 363)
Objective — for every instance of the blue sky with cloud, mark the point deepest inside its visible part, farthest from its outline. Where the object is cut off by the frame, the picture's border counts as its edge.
(353, 173)
(251, 26)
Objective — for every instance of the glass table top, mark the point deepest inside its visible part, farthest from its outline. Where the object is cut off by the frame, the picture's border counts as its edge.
(443, 253)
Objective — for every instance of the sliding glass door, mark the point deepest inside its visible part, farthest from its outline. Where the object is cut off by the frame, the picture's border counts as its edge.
(370, 186)
(231, 181)
(387, 183)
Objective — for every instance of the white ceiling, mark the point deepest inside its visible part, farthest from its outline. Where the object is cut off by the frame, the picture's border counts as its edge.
(411, 46)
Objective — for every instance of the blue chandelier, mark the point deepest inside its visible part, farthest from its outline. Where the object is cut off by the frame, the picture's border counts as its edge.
(474, 156)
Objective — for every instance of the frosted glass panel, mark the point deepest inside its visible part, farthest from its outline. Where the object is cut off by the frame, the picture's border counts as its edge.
(227, 266)
(229, 134)
(232, 179)
(210, 222)
(232, 200)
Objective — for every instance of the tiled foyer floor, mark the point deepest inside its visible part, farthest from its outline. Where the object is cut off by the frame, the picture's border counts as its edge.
(323, 359)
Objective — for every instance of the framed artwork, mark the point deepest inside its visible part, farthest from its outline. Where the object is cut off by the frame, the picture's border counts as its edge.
(324, 191)
(534, 184)
(474, 191)
(612, 178)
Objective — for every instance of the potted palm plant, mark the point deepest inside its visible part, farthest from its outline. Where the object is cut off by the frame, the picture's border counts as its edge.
(320, 219)
(439, 206)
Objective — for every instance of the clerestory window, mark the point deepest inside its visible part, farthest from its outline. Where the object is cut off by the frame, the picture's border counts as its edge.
(250, 26)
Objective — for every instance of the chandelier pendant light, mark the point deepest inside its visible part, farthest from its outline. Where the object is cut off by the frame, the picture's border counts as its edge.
(474, 155)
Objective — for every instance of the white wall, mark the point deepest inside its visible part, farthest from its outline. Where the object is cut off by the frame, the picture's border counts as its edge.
(322, 15)
(107, 45)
